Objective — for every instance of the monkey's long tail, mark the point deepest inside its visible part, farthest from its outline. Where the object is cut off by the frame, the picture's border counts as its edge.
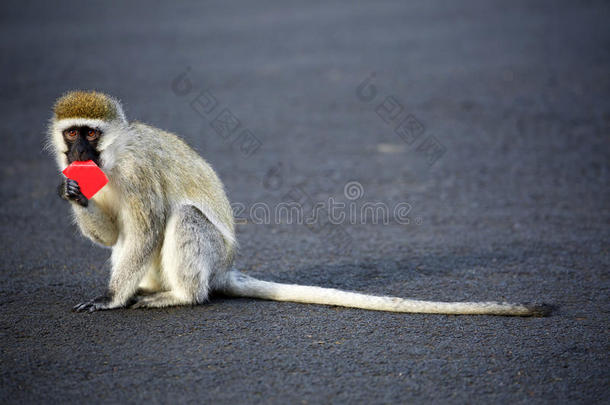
(240, 285)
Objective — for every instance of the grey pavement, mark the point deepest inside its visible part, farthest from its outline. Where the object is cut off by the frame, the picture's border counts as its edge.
(487, 122)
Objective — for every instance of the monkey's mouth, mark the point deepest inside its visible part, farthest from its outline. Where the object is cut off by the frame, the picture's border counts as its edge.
(85, 158)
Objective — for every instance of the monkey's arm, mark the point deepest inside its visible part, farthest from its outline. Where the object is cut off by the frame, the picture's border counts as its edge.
(93, 222)
(131, 255)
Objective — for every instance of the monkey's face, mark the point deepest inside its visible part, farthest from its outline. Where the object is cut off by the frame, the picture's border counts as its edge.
(82, 143)
(86, 125)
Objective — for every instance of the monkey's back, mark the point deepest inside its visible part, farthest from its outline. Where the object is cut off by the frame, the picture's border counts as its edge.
(173, 174)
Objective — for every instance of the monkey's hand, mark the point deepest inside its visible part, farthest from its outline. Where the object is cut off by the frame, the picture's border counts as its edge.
(96, 304)
(70, 190)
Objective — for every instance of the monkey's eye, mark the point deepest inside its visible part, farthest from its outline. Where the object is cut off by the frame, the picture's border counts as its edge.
(93, 134)
(71, 134)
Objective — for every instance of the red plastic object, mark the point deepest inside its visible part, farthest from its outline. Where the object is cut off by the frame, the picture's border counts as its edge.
(88, 175)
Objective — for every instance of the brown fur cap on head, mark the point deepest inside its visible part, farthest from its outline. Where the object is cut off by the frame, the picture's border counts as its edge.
(87, 104)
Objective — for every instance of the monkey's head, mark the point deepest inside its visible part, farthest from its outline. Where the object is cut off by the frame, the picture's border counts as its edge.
(83, 126)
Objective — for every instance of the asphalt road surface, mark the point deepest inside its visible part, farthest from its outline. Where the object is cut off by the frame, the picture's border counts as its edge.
(487, 123)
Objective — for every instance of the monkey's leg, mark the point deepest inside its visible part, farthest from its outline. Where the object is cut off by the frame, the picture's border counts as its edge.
(193, 249)
(151, 282)
(131, 257)
(130, 261)
(159, 300)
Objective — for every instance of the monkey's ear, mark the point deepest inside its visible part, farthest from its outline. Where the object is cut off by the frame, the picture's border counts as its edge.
(119, 110)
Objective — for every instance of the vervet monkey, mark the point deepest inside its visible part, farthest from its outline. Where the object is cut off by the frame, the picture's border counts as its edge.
(165, 214)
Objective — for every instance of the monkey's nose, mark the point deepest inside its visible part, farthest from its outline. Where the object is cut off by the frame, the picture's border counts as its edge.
(84, 156)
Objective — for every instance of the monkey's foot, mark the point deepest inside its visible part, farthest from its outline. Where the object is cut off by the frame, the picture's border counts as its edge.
(158, 300)
(96, 304)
